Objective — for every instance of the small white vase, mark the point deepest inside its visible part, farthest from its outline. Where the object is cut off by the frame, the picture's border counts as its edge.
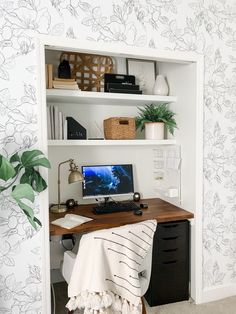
(160, 86)
(154, 130)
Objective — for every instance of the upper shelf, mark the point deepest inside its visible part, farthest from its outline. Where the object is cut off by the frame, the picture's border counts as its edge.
(74, 96)
(110, 142)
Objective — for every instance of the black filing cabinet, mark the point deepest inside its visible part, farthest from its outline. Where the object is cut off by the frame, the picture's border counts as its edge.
(170, 264)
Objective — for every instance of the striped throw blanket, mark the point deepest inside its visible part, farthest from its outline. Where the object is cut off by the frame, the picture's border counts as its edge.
(106, 277)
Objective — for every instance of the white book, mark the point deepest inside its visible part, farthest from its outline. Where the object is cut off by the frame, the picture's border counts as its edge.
(49, 124)
(73, 87)
(56, 122)
(65, 129)
(51, 110)
(60, 125)
(70, 221)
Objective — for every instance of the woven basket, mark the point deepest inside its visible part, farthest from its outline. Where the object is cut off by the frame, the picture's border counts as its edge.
(88, 69)
(119, 128)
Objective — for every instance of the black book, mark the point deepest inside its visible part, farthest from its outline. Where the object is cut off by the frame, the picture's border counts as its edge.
(125, 91)
(122, 86)
(118, 79)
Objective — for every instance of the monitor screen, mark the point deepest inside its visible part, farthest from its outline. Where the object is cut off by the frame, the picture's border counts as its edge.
(107, 180)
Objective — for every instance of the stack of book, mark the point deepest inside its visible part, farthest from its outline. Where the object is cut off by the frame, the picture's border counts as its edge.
(62, 83)
(57, 124)
(48, 75)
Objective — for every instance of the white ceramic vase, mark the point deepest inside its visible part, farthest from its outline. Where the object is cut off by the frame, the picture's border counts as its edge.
(160, 86)
(154, 131)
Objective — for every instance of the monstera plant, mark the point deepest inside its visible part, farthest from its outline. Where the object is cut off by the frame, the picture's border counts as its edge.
(20, 173)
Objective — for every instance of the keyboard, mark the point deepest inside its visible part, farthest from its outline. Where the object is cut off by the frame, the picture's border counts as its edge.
(113, 207)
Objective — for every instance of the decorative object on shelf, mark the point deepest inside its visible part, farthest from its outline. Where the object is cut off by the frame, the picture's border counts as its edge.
(61, 83)
(136, 197)
(161, 86)
(22, 168)
(145, 73)
(49, 75)
(121, 83)
(119, 128)
(153, 118)
(75, 131)
(74, 176)
(154, 130)
(88, 69)
(64, 70)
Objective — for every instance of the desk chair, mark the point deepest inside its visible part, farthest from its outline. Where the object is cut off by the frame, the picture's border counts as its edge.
(145, 272)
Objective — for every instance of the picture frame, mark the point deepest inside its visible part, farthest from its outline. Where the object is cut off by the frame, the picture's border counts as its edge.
(145, 72)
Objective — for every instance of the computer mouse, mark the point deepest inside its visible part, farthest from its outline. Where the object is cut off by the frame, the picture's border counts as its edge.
(138, 212)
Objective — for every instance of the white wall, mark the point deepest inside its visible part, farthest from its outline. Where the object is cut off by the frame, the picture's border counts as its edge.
(206, 27)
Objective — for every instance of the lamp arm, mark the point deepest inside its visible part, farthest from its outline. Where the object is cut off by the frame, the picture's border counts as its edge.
(59, 180)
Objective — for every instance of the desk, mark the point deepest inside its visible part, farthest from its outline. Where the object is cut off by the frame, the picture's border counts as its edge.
(157, 209)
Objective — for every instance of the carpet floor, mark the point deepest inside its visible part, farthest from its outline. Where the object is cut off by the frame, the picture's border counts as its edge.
(225, 306)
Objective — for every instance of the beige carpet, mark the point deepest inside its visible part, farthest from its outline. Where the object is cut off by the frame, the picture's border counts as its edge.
(225, 306)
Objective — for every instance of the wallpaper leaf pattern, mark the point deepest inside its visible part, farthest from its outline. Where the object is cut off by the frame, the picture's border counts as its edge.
(205, 27)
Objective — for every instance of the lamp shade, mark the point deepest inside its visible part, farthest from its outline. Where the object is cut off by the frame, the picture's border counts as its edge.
(75, 176)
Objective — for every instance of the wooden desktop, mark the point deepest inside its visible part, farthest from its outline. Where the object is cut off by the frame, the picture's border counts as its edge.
(157, 209)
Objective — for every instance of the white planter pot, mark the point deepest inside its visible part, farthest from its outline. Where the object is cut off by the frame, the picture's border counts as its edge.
(160, 87)
(154, 131)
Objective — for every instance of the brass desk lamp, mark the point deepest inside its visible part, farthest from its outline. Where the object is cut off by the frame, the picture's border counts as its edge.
(74, 176)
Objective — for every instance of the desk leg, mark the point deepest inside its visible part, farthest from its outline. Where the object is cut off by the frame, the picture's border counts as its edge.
(143, 306)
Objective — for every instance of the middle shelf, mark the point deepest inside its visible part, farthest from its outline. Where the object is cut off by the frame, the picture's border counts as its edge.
(74, 96)
(110, 142)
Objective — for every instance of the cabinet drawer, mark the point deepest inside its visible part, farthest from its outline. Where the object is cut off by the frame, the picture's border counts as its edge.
(169, 255)
(172, 229)
(169, 283)
(169, 243)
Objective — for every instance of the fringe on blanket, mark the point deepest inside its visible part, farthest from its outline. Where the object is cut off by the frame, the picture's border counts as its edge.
(102, 303)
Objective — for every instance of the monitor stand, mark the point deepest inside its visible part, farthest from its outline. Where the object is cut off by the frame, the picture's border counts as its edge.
(107, 200)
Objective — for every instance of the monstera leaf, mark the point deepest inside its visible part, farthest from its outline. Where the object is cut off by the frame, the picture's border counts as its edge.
(7, 171)
(23, 194)
(23, 168)
(34, 158)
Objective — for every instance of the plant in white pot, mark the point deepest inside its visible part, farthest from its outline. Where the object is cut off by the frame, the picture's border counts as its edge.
(153, 118)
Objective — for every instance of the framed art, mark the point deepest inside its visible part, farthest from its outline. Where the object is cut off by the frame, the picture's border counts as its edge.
(145, 72)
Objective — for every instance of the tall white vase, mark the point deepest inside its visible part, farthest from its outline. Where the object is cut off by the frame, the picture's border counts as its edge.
(160, 86)
(154, 130)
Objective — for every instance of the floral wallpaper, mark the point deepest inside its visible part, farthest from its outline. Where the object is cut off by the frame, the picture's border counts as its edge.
(206, 27)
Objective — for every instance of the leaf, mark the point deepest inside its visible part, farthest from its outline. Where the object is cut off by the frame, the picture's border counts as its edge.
(33, 178)
(34, 158)
(26, 177)
(88, 21)
(7, 171)
(4, 75)
(15, 158)
(8, 261)
(2, 188)
(38, 183)
(37, 221)
(84, 6)
(57, 29)
(21, 192)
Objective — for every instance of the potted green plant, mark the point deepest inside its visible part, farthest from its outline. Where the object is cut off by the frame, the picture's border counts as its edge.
(20, 173)
(153, 118)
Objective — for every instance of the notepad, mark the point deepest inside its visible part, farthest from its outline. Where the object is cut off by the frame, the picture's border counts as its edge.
(70, 221)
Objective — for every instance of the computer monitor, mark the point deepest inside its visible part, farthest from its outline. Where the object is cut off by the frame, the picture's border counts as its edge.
(107, 180)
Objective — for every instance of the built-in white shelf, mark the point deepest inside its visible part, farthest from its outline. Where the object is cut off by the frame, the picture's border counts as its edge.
(75, 96)
(110, 142)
